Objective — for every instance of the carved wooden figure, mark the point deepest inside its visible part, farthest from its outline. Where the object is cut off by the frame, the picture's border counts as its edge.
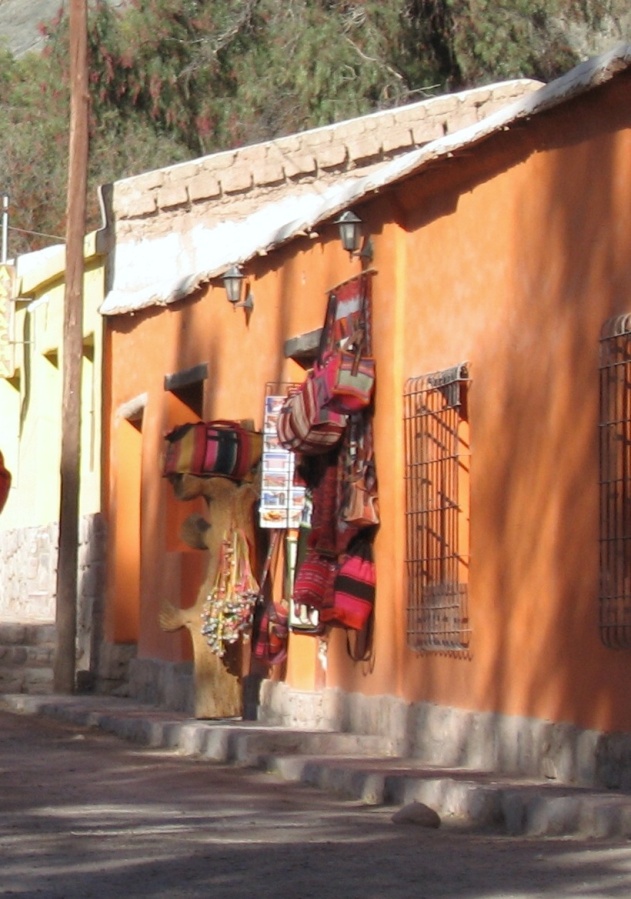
(230, 504)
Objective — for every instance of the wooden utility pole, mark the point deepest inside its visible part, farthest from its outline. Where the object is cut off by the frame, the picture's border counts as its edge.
(66, 609)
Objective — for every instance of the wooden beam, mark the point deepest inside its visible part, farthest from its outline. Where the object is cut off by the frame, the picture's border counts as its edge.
(64, 665)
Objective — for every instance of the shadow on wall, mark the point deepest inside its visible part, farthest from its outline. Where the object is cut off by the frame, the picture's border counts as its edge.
(571, 256)
(524, 300)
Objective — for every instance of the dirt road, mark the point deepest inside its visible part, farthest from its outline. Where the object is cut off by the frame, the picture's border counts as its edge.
(84, 815)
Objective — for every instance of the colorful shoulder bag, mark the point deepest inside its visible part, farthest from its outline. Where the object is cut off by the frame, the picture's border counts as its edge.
(305, 424)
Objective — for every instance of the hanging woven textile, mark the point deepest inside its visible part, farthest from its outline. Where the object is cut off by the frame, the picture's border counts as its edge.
(271, 630)
(229, 606)
(336, 575)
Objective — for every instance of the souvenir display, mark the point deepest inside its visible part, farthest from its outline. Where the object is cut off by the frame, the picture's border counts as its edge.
(282, 499)
(316, 457)
(336, 576)
(228, 609)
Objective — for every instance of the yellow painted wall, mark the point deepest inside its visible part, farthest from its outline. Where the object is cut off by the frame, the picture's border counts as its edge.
(30, 401)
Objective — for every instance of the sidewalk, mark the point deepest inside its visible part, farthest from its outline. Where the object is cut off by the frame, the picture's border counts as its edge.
(352, 766)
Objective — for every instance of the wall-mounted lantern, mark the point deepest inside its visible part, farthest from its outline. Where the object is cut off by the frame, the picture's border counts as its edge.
(232, 281)
(350, 227)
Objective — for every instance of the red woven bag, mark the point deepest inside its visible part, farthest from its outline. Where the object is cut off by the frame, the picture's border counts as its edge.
(206, 448)
(304, 425)
(353, 589)
(314, 581)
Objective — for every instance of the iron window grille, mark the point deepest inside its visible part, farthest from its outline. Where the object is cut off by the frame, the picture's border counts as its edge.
(437, 456)
(615, 483)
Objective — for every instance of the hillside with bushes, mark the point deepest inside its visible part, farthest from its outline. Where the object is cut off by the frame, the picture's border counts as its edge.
(172, 80)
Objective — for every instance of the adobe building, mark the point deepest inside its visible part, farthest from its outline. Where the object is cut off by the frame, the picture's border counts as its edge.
(499, 226)
(177, 351)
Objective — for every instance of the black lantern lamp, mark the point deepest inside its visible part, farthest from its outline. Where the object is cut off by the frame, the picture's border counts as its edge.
(232, 281)
(350, 226)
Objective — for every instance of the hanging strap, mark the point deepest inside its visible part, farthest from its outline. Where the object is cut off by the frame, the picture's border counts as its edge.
(361, 651)
(365, 312)
(271, 549)
(327, 335)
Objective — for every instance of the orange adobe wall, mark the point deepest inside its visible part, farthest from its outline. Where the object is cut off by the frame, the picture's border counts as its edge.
(510, 257)
(242, 356)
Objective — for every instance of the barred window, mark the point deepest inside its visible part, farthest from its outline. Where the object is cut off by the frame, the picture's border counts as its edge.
(615, 483)
(437, 458)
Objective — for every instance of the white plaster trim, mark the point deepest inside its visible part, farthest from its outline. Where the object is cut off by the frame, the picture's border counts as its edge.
(132, 409)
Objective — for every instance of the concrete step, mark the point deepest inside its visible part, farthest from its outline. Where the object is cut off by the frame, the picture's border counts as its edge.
(38, 656)
(249, 744)
(354, 767)
(227, 741)
(478, 799)
(32, 633)
(26, 657)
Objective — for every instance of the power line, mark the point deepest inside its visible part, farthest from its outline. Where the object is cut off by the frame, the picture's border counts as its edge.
(37, 233)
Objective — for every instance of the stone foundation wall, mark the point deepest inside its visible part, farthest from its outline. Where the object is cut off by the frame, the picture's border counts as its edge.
(168, 685)
(451, 737)
(28, 560)
(28, 584)
(436, 735)
(28, 579)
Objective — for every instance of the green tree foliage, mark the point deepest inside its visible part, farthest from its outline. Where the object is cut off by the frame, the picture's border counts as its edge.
(34, 118)
(33, 149)
(511, 38)
(224, 73)
(175, 79)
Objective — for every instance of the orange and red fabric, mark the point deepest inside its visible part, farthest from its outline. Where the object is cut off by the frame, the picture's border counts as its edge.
(5, 482)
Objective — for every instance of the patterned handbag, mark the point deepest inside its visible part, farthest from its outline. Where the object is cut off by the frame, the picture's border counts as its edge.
(348, 377)
(205, 448)
(304, 425)
(271, 627)
(360, 502)
(353, 589)
(348, 368)
(270, 644)
(314, 580)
